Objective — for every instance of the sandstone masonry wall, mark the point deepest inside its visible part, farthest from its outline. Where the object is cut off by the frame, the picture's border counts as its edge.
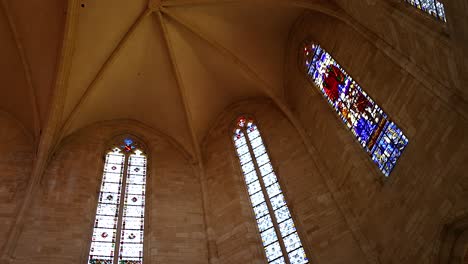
(59, 224)
(402, 216)
(16, 159)
(322, 227)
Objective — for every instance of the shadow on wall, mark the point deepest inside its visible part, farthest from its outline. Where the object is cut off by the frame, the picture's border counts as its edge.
(454, 242)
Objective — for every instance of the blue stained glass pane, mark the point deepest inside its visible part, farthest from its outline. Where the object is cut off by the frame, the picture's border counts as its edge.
(433, 7)
(366, 120)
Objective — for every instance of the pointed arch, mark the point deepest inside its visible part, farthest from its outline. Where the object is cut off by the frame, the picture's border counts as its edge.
(278, 233)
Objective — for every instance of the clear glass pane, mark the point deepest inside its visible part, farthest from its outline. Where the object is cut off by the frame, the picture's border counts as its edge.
(287, 227)
(292, 242)
(282, 214)
(250, 177)
(242, 150)
(107, 209)
(298, 257)
(273, 190)
(278, 261)
(103, 221)
(254, 187)
(263, 159)
(270, 179)
(131, 250)
(266, 169)
(259, 151)
(245, 158)
(278, 201)
(253, 134)
(264, 223)
(269, 236)
(257, 198)
(273, 251)
(260, 210)
(256, 142)
(248, 167)
(240, 142)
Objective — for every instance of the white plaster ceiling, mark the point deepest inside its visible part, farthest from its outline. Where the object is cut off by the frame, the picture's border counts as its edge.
(175, 66)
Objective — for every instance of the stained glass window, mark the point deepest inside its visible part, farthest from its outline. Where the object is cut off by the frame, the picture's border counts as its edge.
(382, 139)
(280, 239)
(119, 223)
(433, 7)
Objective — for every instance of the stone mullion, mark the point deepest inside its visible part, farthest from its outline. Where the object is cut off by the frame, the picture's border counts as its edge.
(120, 210)
(267, 199)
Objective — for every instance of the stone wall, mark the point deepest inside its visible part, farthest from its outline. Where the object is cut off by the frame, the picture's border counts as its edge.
(16, 159)
(58, 226)
(325, 233)
(402, 216)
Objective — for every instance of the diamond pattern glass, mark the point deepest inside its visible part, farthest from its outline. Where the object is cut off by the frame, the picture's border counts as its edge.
(381, 138)
(272, 215)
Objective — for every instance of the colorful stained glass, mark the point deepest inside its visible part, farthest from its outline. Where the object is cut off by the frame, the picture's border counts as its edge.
(433, 7)
(274, 221)
(119, 227)
(371, 126)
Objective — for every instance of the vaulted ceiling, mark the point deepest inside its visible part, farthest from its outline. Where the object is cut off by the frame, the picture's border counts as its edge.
(172, 65)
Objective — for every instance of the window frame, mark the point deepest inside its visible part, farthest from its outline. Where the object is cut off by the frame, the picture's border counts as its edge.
(300, 59)
(246, 196)
(106, 149)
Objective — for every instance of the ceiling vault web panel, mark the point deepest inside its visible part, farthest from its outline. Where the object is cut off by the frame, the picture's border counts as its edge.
(26, 68)
(172, 70)
(111, 59)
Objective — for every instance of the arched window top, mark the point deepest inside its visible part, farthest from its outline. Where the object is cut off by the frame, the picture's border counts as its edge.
(432, 7)
(127, 145)
(382, 139)
(281, 241)
(119, 223)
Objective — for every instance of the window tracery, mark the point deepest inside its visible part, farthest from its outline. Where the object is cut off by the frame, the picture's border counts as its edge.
(382, 139)
(279, 236)
(119, 224)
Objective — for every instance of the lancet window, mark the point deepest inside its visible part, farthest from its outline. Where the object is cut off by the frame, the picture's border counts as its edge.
(280, 239)
(381, 138)
(433, 7)
(119, 223)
